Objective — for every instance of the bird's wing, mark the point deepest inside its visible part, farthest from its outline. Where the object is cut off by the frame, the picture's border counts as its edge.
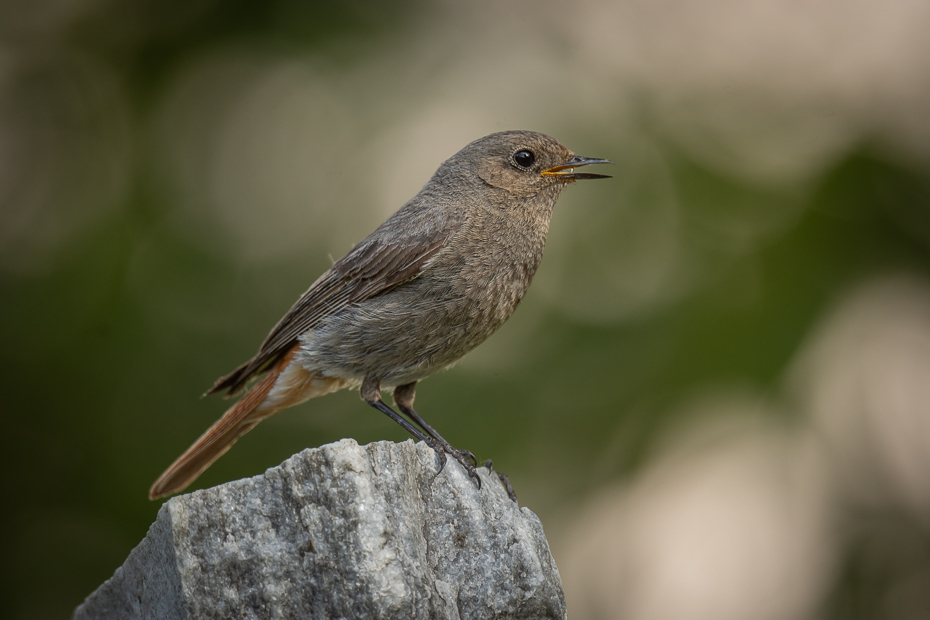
(372, 268)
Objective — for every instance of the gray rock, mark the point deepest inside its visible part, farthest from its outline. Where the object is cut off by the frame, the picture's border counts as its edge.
(340, 531)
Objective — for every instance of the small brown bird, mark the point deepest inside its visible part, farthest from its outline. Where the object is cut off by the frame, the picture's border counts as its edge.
(429, 285)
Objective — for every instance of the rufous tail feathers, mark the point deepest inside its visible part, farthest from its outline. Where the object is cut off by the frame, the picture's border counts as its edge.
(286, 384)
(237, 421)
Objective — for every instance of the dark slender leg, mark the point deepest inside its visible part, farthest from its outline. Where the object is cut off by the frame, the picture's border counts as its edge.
(403, 398)
(504, 478)
(371, 394)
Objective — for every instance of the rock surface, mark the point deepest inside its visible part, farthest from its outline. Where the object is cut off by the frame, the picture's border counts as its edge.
(340, 531)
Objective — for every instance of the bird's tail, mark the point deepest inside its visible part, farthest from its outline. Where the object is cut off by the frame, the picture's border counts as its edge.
(285, 384)
(238, 420)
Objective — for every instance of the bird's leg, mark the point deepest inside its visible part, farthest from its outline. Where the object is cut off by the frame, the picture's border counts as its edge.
(403, 398)
(371, 394)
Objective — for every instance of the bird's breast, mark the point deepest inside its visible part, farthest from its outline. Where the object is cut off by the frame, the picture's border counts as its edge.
(498, 268)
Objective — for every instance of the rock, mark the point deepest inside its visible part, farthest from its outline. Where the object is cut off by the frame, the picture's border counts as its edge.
(340, 531)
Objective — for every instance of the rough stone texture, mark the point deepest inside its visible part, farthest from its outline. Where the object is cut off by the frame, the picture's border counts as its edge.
(340, 531)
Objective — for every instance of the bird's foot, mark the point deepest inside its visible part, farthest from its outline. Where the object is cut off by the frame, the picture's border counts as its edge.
(468, 461)
(466, 458)
(505, 480)
(440, 452)
(463, 454)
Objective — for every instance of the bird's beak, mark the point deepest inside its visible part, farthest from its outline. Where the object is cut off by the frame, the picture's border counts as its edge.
(566, 170)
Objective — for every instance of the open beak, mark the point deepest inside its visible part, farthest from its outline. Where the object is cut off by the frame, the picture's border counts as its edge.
(567, 170)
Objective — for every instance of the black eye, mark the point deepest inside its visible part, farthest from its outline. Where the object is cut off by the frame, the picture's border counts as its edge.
(524, 158)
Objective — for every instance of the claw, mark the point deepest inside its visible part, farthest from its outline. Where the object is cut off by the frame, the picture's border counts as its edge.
(505, 480)
(460, 456)
(463, 455)
(474, 460)
(439, 452)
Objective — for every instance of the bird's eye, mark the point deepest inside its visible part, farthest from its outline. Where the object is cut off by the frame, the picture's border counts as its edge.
(524, 158)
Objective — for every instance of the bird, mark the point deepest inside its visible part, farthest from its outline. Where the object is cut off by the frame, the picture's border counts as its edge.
(431, 283)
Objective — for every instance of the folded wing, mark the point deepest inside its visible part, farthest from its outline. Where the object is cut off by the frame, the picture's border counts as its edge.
(372, 268)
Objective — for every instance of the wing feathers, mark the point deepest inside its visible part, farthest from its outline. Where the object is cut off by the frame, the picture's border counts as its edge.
(373, 268)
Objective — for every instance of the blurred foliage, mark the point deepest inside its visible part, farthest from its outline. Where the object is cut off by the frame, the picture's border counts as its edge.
(106, 347)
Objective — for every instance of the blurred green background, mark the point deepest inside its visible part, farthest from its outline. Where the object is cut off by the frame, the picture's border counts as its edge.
(716, 395)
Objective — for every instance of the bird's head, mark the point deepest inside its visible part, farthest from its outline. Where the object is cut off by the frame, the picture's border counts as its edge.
(523, 163)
